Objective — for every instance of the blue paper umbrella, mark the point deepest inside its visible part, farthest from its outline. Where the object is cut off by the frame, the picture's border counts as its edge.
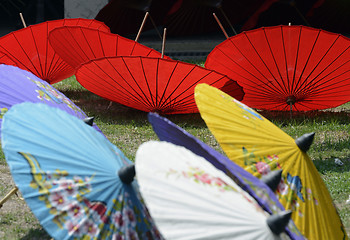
(259, 190)
(77, 183)
(17, 86)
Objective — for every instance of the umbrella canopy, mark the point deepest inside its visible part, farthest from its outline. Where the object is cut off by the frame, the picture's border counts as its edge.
(77, 183)
(190, 199)
(30, 50)
(330, 15)
(4, 59)
(124, 16)
(287, 67)
(257, 145)
(17, 86)
(192, 17)
(150, 84)
(265, 197)
(77, 45)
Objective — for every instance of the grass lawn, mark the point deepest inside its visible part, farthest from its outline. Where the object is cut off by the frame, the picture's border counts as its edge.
(128, 128)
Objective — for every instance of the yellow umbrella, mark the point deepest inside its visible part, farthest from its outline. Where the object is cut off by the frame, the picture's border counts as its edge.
(259, 146)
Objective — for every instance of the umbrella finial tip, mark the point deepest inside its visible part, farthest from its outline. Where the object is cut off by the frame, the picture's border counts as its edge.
(272, 179)
(127, 173)
(304, 142)
(278, 222)
(89, 121)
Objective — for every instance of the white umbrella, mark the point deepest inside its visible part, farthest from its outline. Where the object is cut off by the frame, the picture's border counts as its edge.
(190, 199)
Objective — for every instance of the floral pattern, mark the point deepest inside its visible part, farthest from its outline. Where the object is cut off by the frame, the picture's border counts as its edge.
(200, 176)
(48, 93)
(289, 190)
(65, 198)
(2, 112)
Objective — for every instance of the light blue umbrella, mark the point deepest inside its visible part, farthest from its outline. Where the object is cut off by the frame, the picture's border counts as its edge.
(75, 181)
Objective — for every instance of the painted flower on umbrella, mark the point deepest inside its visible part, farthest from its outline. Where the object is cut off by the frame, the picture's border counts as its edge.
(74, 210)
(282, 187)
(90, 229)
(200, 176)
(262, 168)
(129, 216)
(47, 92)
(58, 200)
(117, 219)
(2, 112)
(66, 185)
(74, 228)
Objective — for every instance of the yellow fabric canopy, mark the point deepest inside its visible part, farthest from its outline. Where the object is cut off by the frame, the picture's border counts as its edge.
(259, 146)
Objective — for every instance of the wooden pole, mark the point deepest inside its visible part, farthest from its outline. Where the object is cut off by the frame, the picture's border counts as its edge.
(163, 44)
(141, 27)
(155, 26)
(227, 20)
(22, 18)
(13, 191)
(220, 25)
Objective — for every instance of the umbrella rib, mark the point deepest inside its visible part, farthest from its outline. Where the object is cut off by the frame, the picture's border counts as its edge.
(150, 104)
(16, 59)
(299, 84)
(189, 87)
(112, 93)
(37, 51)
(262, 62)
(247, 79)
(157, 85)
(88, 43)
(328, 50)
(81, 59)
(147, 83)
(294, 83)
(314, 81)
(318, 90)
(167, 84)
(275, 62)
(257, 78)
(179, 86)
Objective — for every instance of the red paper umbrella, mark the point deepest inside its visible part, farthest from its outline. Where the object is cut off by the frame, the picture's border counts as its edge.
(285, 67)
(125, 16)
(151, 84)
(330, 15)
(30, 50)
(77, 45)
(188, 17)
(4, 59)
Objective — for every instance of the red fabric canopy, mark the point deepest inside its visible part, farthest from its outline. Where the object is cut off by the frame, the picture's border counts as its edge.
(77, 45)
(287, 65)
(30, 50)
(151, 84)
(4, 59)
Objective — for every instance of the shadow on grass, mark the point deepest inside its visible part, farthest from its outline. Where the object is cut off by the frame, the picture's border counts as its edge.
(36, 234)
(328, 165)
(104, 109)
(336, 145)
(297, 118)
(107, 111)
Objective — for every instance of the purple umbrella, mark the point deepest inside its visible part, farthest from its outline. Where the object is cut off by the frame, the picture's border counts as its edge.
(17, 86)
(168, 131)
